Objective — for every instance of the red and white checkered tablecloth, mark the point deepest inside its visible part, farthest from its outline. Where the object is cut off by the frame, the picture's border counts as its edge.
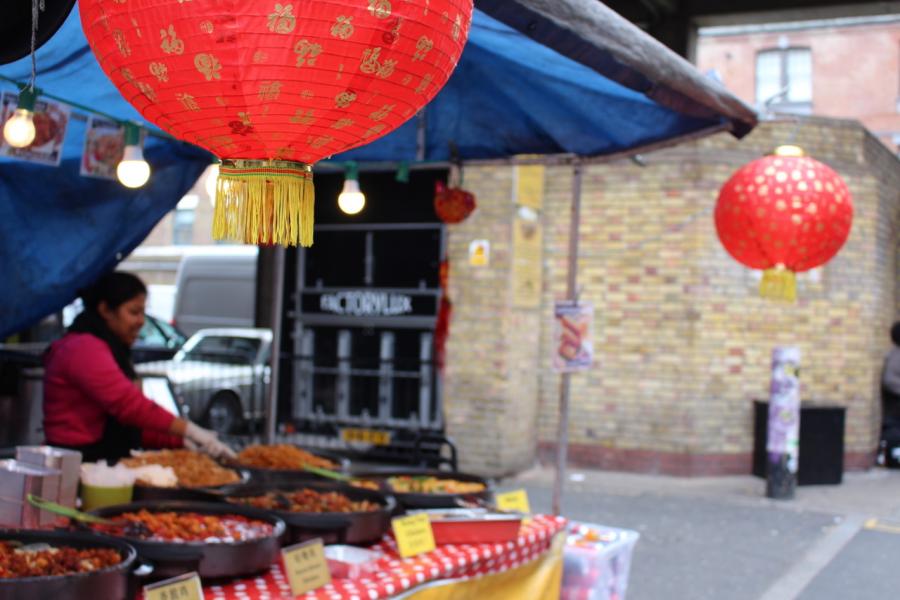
(396, 575)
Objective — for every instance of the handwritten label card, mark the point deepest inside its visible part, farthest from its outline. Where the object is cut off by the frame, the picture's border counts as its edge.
(183, 587)
(514, 501)
(414, 535)
(306, 566)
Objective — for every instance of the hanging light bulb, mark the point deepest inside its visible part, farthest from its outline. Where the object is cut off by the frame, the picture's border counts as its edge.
(789, 150)
(351, 200)
(18, 131)
(133, 171)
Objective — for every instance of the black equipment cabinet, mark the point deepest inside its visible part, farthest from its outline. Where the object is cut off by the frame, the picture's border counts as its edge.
(821, 442)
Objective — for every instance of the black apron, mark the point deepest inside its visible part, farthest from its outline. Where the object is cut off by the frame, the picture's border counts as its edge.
(118, 439)
(117, 442)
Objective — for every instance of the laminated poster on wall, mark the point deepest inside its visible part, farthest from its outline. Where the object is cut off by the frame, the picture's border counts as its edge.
(479, 253)
(573, 336)
(784, 408)
(104, 143)
(50, 122)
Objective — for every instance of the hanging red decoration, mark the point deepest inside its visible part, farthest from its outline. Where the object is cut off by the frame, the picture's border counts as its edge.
(452, 205)
(785, 213)
(272, 86)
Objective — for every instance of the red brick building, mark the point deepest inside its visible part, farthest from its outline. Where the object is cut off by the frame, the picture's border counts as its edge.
(847, 68)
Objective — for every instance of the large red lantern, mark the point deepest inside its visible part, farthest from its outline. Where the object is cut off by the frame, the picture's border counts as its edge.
(272, 86)
(785, 214)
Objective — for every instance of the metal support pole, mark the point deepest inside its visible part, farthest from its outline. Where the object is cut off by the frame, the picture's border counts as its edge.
(562, 432)
(275, 355)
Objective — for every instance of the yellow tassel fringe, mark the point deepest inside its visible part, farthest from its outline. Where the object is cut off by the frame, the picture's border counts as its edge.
(779, 284)
(264, 202)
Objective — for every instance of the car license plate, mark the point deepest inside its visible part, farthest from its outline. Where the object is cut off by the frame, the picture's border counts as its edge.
(366, 436)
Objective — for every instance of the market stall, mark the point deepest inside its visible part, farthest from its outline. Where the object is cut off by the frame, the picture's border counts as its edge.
(528, 567)
(259, 536)
(529, 81)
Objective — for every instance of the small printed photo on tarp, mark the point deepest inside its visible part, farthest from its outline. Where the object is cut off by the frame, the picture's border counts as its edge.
(50, 122)
(573, 347)
(104, 144)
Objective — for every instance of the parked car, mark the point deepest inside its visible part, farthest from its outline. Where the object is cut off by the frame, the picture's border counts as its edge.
(221, 376)
(157, 340)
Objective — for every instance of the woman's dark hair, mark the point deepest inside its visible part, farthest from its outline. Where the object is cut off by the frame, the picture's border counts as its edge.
(114, 288)
(895, 333)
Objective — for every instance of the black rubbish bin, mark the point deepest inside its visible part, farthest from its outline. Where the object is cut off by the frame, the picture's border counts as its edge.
(821, 442)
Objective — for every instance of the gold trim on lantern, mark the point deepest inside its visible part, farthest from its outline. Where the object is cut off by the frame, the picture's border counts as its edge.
(779, 284)
(264, 202)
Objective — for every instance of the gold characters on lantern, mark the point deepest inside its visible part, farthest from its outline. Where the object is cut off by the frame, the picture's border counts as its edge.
(423, 47)
(187, 101)
(380, 9)
(208, 65)
(344, 99)
(307, 52)
(282, 20)
(382, 112)
(269, 90)
(121, 42)
(160, 71)
(371, 66)
(170, 42)
(342, 28)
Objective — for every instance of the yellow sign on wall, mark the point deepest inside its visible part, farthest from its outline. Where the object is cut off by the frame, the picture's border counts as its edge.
(479, 253)
(530, 186)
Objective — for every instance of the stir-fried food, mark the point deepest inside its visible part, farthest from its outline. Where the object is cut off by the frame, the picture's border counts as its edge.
(406, 484)
(308, 501)
(18, 560)
(366, 484)
(281, 456)
(186, 527)
(192, 468)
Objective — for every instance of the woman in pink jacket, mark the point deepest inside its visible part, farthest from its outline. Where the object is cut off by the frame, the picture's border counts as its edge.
(92, 401)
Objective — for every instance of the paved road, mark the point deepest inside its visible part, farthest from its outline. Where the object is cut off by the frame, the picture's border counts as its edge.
(720, 539)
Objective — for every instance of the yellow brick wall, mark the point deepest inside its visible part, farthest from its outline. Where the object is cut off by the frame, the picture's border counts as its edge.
(490, 392)
(682, 340)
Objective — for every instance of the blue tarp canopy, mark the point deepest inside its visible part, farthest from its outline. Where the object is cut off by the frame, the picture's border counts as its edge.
(511, 94)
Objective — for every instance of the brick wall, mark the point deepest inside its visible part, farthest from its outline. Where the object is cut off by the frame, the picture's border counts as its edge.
(682, 340)
(491, 389)
(842, 85)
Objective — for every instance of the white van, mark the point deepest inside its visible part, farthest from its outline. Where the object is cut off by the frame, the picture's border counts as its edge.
(216, 288)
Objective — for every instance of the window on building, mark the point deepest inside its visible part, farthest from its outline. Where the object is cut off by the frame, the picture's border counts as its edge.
(183, 221)
(784, 79)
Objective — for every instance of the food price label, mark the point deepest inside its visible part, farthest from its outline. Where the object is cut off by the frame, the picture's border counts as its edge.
(183, 587)
(515, 501)
(414, 535)
(306, 566)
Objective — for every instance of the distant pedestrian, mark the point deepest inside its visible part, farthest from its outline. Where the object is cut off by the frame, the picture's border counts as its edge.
(890, 401)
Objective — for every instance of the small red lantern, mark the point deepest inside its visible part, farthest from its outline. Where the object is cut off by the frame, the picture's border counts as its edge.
(272, 86)
(452, 205)
(785, 213)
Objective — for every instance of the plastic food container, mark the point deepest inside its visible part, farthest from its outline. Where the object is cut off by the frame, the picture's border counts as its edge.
(596, 562)
(473, 526)
(350, 562)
